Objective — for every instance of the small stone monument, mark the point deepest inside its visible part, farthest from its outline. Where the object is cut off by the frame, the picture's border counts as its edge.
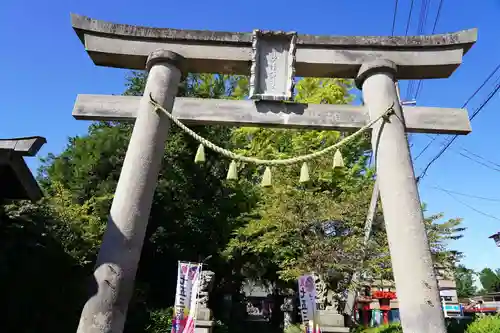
(204, 320)
(330, 320)
(288, 309)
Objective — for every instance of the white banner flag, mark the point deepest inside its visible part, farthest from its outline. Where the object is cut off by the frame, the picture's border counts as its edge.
(188, 282)
(307, 297)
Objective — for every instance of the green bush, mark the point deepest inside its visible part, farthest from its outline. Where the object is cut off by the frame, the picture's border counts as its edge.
(160, 320)
(486, 324)
(220, 327)
(392, 328)
(297, 328)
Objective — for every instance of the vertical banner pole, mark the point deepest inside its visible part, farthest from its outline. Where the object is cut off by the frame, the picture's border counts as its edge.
(186, 298)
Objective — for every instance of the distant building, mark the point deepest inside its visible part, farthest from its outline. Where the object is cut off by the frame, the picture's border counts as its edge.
(259, 303)
(378, 304)
(489, 303)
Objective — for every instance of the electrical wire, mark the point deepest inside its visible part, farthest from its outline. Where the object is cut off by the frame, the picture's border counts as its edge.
(463, 106)
(436, 20)
(494, 166)
(394, 18)
(471, 207)
(408, 23)
(465, 195)
(422, 20)
(441, 152)
(479, 162)
(409, 18)
(479, 156)
(437, 16)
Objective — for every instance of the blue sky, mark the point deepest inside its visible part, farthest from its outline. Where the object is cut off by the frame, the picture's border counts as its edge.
(45, 67)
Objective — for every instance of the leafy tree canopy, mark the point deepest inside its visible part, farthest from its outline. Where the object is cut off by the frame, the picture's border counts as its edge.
(490, 280)
(464, 278)
(267, 234)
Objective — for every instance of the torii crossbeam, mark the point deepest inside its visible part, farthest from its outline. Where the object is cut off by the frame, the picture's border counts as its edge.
(272, 59)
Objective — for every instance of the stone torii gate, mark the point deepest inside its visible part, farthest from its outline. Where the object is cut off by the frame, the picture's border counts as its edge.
(272, 59)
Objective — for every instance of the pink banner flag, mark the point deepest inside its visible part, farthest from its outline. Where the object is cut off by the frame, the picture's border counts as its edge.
(188, 282)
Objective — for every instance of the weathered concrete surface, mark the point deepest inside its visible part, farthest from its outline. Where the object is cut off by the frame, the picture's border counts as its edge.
(417, 57)
(116, 267)
(16, 180)
(196, 111)
(272, 71)
(416, 284)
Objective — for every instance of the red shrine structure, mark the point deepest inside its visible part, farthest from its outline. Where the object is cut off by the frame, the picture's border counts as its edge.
(377, 302)
(367, 302)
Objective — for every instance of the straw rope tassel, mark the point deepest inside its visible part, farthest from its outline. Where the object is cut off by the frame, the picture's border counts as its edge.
(200, 155)
(304, 173)
(267, 178)
(338, 160)
(232, 172)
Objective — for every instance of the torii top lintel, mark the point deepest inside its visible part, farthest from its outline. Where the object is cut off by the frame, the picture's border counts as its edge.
(417, 57)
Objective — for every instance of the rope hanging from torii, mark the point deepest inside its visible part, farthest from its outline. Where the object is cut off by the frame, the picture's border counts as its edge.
(232, 174)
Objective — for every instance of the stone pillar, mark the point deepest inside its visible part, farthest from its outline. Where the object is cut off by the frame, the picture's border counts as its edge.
(116, 266)
(204, 320)
(288, 310)
(330, 320)
(412, 264)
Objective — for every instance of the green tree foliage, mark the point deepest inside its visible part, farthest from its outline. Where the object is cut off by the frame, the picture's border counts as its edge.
(490, 280)
(464, 278)
(300, 228)
(160, 321)
(193, 214)
(48, 249)
(392, 328)
(317, 227)
(440, 234)
(42, 272)
(486, 324)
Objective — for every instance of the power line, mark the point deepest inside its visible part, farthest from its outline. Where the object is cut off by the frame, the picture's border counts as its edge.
(479, 162)
(471, 207)
(494, 166)
(409, 18)
(495, 90)
(464, 194)
(394, 18)
(464, 105)
(479, 156)
(422, 20)
(408, 23)
(437, 16)
(436, 20)
(424, 11)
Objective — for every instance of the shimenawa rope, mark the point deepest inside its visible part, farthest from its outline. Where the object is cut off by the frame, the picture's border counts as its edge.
(288, 161)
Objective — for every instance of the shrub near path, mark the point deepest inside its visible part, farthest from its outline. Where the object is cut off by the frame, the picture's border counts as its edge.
(486, 324)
